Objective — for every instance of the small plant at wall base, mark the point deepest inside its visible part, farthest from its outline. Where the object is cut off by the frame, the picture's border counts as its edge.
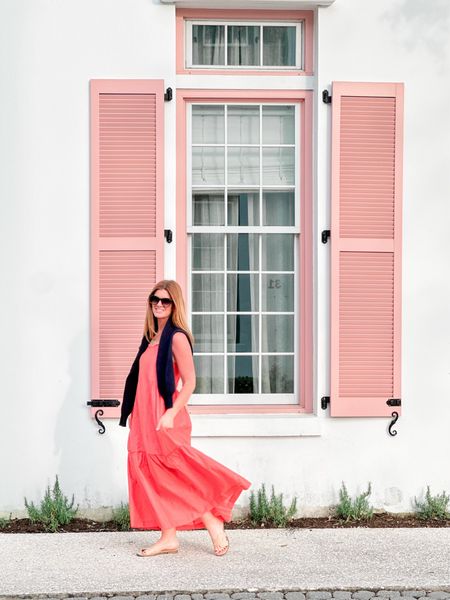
(433, 507)
(353, 510)
(270, 512)
(55, 509)
(121, 517)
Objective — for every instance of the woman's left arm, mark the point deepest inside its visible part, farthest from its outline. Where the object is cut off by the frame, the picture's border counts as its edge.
(182, 353)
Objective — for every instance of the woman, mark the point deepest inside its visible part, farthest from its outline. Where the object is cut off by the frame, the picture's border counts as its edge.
(171, 485)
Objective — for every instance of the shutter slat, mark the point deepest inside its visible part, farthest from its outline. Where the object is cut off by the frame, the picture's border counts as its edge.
(365, 284)
(127, 224)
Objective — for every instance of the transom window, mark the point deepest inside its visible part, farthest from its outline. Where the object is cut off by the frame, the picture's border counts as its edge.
(244, 45)
(243, 226)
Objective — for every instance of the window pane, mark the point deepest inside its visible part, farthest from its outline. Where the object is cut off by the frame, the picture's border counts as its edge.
(242, 252)
(208, 124)
(277, 374)
(243, 124)
(242, 292)
(243, 166)
(243, 208)
(208, 208)
(278, 124)
(208, 166)
(278, 208)
(278, 166)
(279, 46)
(243, 375)
(207, 252)
(277, 252)
(277, 333)
(208, 333)
(209, 374)
(208, 44)
(207, 292)
(243, 44)
(242, 333)
(277, 292)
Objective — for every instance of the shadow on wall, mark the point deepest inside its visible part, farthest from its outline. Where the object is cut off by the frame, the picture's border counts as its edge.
(422, 24)
(86, 458)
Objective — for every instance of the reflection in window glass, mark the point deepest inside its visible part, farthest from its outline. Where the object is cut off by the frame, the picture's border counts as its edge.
(277, 252)
(207, 292)
(243, 166)
(243, 45)
(208, 44)
(208, 165)
(207, 252)
(277, 292)
(278, 207)
(278, 125)
(242, 252)
(278, 166)
(209, 374)
(242, 333)
(208, 332)
(243, 375)
(279, 46)
(208, 124)
(242, 292)
(277, 374)
(243, 124)
(243, 208)
(208, 208)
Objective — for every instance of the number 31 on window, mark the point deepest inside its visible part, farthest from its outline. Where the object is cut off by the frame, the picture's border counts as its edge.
(274, 283)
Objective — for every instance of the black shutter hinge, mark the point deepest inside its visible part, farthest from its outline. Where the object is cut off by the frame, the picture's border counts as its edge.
(98, 412)
(168, 95)
(326, 233)
(394, 402)
(324, 402)
(326, 97)
(168, 235)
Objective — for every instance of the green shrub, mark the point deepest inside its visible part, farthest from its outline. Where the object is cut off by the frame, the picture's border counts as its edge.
(353, 510)
(271, 512)
(4, 522)
(55, 510)
(121, 517)
(433, 507)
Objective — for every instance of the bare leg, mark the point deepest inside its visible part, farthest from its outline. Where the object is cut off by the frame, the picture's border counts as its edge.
(167, 543)
(215, 528)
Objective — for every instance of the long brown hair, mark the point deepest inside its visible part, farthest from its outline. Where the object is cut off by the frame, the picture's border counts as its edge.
(178, 314)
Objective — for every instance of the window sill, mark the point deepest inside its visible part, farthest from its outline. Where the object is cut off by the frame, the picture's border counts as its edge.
(254, 425)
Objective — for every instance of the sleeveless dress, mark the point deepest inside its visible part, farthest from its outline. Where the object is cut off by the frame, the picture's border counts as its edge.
(170, 483)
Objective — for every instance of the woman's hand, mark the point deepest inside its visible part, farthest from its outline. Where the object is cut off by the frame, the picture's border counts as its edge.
(166, 421)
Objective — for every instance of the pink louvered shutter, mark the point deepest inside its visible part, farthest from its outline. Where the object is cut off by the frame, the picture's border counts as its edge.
(366, 193)
(127, 237)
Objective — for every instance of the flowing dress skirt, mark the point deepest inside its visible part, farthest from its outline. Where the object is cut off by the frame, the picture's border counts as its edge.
(170, 483)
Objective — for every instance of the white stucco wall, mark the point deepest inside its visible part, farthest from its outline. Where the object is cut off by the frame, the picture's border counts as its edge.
(49, 50)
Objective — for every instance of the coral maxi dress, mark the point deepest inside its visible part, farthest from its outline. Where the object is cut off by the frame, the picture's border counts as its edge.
(170, 483)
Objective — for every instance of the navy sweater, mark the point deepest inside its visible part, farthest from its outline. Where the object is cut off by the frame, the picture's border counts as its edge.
(164, 371)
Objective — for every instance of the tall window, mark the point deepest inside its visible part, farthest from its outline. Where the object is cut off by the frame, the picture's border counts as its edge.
(243, 225)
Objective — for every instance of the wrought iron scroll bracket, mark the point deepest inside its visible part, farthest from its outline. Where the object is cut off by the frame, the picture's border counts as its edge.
(98, 412)
(392, 423)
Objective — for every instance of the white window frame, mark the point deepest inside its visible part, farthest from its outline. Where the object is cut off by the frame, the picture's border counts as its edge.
(299, 45)
(259, 398)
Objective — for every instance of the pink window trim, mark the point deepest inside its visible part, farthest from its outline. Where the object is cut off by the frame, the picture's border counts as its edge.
(184, 97)
(368, 406)
(118, 86)
(256, 15)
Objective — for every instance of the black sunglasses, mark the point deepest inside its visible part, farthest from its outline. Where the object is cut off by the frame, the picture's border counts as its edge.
(164, 301)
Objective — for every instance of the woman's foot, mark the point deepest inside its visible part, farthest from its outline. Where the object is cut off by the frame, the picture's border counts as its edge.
(217, 533)
(165, 545)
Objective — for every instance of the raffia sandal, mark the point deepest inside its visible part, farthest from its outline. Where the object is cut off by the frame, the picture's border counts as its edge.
(144, 552)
